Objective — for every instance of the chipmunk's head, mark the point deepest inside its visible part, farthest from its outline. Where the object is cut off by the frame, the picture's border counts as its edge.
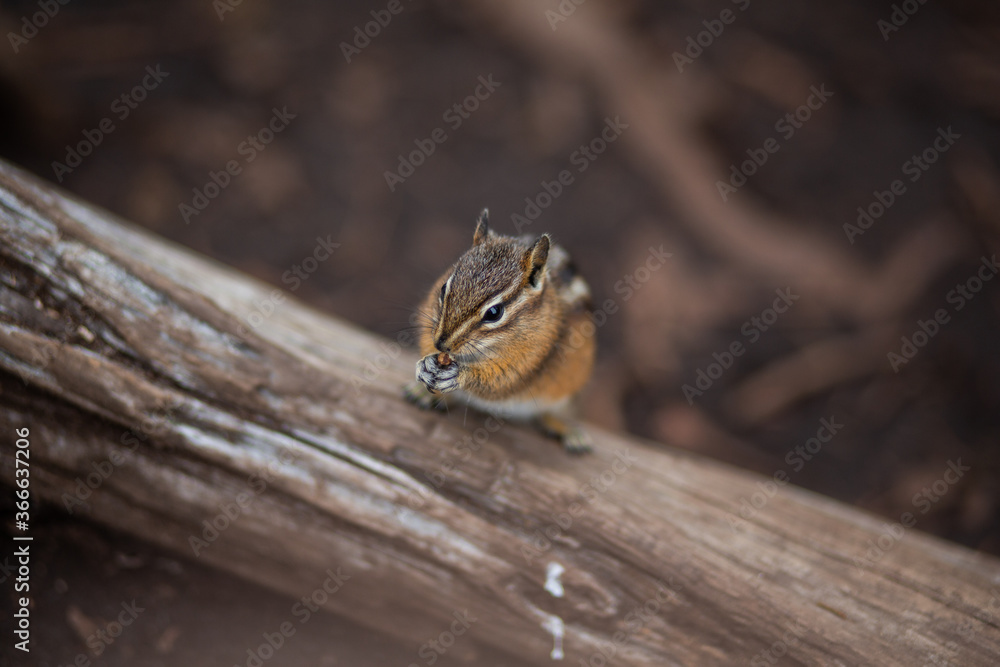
(492, 296)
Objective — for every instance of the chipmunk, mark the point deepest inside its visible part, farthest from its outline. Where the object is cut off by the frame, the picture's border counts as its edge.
(508, 329)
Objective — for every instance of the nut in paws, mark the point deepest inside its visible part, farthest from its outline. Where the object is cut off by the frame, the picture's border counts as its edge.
(437, 378)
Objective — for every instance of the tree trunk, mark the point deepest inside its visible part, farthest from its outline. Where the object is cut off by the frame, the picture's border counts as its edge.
(176, 400)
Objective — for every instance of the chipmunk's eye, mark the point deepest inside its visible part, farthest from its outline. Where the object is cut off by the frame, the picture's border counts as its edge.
(494, 313)
(443, 287)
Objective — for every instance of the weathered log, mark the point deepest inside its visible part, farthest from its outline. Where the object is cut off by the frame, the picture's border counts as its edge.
(188, 395)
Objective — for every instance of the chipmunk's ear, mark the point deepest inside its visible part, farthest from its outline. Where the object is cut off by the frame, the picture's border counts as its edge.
(537, 255)
(482, 227)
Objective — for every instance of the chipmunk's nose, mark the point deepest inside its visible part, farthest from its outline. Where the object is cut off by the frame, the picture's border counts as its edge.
(439, 344)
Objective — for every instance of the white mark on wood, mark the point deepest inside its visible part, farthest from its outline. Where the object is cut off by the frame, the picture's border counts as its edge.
(552, 583)
(85, 333)
(555, 625)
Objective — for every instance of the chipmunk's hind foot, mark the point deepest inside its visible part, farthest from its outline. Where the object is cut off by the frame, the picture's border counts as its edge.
(574, 438)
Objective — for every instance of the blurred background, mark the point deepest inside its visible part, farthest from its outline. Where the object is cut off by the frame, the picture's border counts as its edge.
(844, 155)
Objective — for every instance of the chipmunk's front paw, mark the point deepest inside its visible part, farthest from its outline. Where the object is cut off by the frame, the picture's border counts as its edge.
(436, 377)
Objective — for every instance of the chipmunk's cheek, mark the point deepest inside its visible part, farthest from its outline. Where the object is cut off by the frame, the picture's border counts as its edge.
(486, 351)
